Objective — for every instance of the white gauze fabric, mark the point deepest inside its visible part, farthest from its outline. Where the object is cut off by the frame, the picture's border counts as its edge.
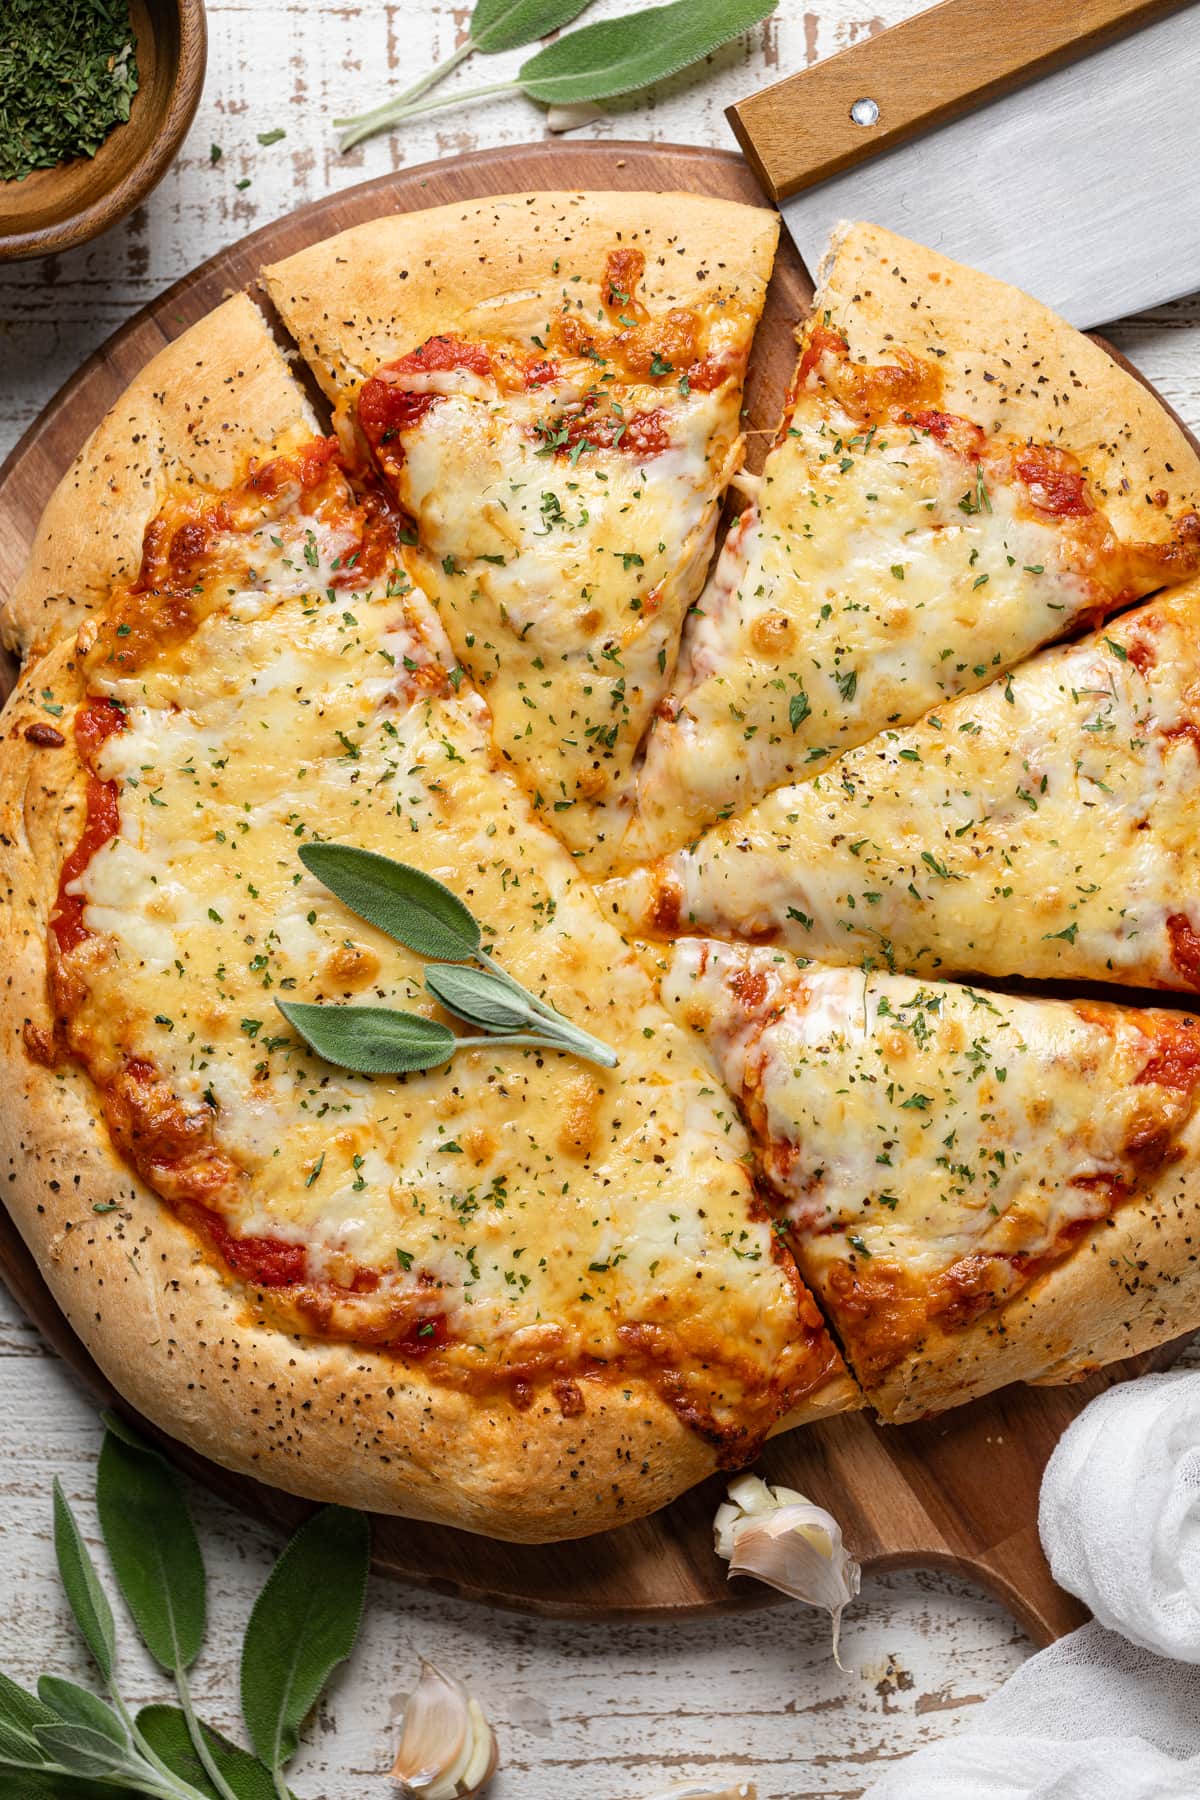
(1100, 1716)
(1120, 1512)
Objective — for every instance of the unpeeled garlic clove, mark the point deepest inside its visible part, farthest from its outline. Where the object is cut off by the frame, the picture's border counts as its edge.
(779, 1536)
(571, 115)
(745, 1790)
(447, 1748)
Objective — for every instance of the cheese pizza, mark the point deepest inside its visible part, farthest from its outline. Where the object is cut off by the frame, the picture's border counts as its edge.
(696, 1143)
(911, 538)
(980, 1187)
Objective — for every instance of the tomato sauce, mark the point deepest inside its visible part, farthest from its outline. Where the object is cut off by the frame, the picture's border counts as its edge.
(95, 722)
(1056, 483)
(1185, 947)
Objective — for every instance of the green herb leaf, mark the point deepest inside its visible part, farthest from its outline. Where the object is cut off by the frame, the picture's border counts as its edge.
(165, 1729)
(303, 1625)
(84, 1752)
(20, 1712)
(88, 1600)
(37, 1784)
(481, 999)
(414, 908)
(507, 24)
(616, 56)
(374, 1040)
(86, 1736)
(274, 136)
(153, 1548)
(68, 74)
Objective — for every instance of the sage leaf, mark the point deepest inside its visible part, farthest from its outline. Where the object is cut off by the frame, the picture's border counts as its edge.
(372, 1039)
(88, 1600)
(507, 24)
(303, 1625)
(85, 1752)
(37, 1784)
(16, 1747)
(481, 999)
(21, 1711)
(74, 1705)
(617, 56)
(165, 1729)
(414, 908)
(153, 1548)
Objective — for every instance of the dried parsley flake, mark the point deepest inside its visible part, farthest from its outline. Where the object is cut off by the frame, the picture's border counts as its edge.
(68, 74)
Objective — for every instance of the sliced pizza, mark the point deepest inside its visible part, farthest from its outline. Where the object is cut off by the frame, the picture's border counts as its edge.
(980, 1188)
(1044, 827)
(218, 395)
(945, 495)
(516, 1292)
(550, 386)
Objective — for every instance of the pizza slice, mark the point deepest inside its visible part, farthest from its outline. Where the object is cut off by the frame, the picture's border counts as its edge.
(1044, 827)
(550, 386)
(979, 1188)
(946, 493)
(218, 395)
(517, 1293)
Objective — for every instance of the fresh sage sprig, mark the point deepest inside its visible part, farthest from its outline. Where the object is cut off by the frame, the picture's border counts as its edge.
(495, 25)
(65, 1743)
(597, 62)
(427, 917)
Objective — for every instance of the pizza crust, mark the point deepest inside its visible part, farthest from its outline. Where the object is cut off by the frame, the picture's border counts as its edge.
(1133, 1282)
(500, 264)
(1013, 366)
(214, 397)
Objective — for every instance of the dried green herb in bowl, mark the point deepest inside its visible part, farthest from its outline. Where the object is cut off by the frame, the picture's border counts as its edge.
(68, 74)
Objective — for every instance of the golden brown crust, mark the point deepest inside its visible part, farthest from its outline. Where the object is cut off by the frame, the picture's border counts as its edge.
(1131, 1283)
(1013, 366)
(211, 399)
(499, 266)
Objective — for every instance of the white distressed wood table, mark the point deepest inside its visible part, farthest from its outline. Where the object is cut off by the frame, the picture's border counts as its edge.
(583, 1713)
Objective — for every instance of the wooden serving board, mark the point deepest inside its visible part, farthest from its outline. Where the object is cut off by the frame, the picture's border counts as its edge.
(958, 1492)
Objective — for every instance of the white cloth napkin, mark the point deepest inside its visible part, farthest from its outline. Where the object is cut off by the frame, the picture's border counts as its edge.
(1103, 1714)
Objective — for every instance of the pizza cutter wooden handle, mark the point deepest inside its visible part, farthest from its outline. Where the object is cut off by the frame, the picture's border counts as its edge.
(939, 63)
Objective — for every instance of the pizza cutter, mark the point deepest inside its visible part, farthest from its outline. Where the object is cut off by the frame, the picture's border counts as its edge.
(1054, 144)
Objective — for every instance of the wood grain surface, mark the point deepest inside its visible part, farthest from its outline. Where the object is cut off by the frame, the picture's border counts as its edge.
(958, 1492)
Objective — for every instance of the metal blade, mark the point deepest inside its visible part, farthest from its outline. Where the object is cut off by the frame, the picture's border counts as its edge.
(1082, 188)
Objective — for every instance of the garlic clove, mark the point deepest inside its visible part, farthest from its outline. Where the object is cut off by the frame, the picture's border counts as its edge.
(447, 1748)
(782, 1538)
(745, 1790)
(571, 115)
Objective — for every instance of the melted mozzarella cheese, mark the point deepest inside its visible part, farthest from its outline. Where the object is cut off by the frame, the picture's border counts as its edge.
(857, 593)
(921, 1123)
(562, 580)
(540, 1204)
(1043, 827)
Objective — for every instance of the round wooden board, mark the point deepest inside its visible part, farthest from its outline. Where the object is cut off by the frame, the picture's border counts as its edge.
(957, 1492)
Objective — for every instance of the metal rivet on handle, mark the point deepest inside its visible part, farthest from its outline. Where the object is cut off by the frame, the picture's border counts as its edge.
(865, 111)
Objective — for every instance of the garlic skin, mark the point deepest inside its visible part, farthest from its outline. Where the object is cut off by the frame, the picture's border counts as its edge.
(572, 115)
(779, 1536)
(447, 1748)
(691, 1790)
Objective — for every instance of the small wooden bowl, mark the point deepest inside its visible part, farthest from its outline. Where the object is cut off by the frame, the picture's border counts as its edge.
(52, 209)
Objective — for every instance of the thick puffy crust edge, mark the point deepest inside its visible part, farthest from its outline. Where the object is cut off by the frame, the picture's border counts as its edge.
(1133, 1282)
(217, 395)
(182, 1342)
(1013, 366)
(382, 288)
